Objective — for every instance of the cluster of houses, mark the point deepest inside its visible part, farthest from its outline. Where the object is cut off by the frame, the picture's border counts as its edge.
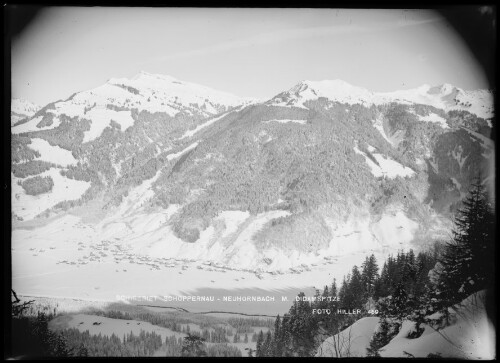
(119, 254)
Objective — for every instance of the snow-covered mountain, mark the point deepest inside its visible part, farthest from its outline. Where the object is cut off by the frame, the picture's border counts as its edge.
(20, 109)
(177, 170)
(115, 99)
(153, 89)
(445, 97)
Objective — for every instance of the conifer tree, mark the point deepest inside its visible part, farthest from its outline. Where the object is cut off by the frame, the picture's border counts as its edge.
(343, 291)
(353, 292)
(278, 340)
(260, 342)
(192, 346)
(381, 338)
(369, 275)
(267, 346)
(285, 336)
(467, 264)
(254, 337)
(333, 289)
(302, 326)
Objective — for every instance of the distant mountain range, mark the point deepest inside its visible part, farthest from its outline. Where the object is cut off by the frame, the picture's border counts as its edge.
(180, 170)
(20, 109)
(446, 96)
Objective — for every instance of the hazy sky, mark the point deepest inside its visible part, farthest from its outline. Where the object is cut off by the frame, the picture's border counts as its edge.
(247, 52)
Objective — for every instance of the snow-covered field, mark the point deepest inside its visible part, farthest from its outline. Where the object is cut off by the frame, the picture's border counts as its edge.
(108, 326)
(29, 206)
(351, 342)
(386, 166)
(98, 325)
(137, 253)
(101, 118)
(31, 125)
(52, 153)
(67, 258)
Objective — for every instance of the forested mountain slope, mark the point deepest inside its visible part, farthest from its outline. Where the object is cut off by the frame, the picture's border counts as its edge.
(323, 169)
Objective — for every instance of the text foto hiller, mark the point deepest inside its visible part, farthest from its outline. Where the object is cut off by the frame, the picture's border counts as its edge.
(342, 311)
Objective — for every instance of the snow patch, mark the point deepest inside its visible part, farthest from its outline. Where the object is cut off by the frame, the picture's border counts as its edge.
(190, 133)
(242, 253)
(457, 155)
(101, 118)
(28, 206)
(70, 109)
(284, 121)
(52, 154)
(387, 167)
(394, 228)
(31, 125)
(232, 220)
(378, 124)
(350, 235)
(351, 342)
(486, 142)
(137, 197)
(457, 184)
(176, 155)
(360, 232)
(432, 117)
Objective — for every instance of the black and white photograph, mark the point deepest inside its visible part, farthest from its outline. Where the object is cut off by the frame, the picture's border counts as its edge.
(250, 182)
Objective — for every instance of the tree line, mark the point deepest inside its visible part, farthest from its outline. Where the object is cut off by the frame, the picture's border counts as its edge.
(409, 287)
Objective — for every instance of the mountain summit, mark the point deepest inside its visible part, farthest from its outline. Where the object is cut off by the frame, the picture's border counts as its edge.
(174, 93)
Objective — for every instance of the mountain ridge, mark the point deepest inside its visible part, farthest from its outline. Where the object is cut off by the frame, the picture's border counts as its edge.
(444, 96)
(21, 108)
(283, 181)
(341, 86)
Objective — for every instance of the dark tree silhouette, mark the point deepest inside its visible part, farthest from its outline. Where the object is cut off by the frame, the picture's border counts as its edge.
(31, 337)
(192, 346)
(467, 264)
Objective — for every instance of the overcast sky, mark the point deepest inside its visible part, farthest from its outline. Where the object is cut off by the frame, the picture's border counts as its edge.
(248, 52)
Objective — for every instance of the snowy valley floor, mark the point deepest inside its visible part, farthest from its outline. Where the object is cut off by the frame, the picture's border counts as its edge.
(67, 260)
(65, 263)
